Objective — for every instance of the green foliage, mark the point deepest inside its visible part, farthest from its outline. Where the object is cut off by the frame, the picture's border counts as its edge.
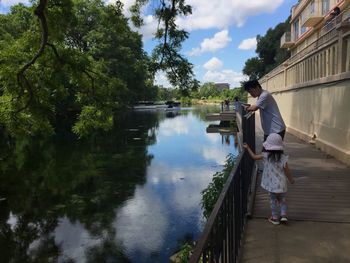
(209, 91)
(270, 55)
(91, 65)
(91, 119)
(211, 194)
(254, 68)
(185, 252)
(166, 55)
(185, 101)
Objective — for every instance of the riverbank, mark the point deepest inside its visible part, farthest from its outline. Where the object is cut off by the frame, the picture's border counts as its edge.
(206, 102)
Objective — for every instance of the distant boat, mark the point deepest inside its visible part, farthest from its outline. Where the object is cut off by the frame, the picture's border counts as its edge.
(149, 105)
(172, 105)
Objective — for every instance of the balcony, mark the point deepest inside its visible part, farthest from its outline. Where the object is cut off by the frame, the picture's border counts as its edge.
(286, 40)
(312, 20)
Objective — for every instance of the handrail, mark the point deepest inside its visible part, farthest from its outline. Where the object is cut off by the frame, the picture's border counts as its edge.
(197, 253)
(221, 238)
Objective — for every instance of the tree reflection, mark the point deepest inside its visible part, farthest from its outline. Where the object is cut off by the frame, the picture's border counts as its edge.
(45, 180)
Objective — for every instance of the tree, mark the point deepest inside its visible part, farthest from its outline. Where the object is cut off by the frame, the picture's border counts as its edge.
(79, 62)
(269, 52)
(166, 55)
(73, 63)
(208, 89)
(254, 68)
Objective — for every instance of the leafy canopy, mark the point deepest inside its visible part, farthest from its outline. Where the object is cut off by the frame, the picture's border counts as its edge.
(68, 63)
(270, 55)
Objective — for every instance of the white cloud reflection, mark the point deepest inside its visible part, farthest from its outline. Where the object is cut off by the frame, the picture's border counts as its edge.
(142, 222)
(74, 240)
(177, 126)
(213, 138)
(214, 154)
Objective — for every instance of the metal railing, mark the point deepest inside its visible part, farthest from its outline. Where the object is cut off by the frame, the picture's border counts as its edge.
(222, 236)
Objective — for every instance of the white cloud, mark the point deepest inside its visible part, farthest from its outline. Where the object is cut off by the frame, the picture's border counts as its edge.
(127, 3)
(219, 41)
(224, 13)
(249, 43)
(213, 64)
(150, 23)
(226, 75)
(149, 27)
(7, 3)
(162, 80)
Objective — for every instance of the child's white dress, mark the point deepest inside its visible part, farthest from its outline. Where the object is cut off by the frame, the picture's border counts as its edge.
(273, 179)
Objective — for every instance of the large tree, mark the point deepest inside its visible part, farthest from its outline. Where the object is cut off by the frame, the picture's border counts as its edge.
(72, 63)
(269, 52)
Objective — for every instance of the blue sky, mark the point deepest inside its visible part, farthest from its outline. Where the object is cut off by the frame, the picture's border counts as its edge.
(222, 34)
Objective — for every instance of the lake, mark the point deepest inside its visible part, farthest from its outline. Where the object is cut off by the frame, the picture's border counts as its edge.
(130, 195)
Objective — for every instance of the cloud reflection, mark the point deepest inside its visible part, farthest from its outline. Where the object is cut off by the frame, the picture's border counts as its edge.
(141, 223)
(144, 222)
(74, 240)
(171, 127)
(214, 154)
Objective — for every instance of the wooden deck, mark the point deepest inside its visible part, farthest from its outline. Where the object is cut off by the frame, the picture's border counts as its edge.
(322, 186)
(222, 116)
(318, 210)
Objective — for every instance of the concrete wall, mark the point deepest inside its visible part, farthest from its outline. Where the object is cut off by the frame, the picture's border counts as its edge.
(321, 111)
(312, 87)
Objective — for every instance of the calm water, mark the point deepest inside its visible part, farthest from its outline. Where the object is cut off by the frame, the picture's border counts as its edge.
(132, 195)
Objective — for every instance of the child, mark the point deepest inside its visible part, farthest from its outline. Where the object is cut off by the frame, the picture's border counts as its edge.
(275, 174)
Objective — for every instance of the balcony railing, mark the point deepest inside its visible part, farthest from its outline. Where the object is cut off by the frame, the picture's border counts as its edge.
(324, 60)
(312, 15)
(222, 235)
(286, 40)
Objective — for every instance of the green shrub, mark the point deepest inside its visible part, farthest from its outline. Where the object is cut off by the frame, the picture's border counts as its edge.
(211, 194)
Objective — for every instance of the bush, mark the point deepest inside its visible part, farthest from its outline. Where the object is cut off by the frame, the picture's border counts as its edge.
(211, 194)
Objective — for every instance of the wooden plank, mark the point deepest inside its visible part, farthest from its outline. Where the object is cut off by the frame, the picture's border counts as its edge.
(322, 188)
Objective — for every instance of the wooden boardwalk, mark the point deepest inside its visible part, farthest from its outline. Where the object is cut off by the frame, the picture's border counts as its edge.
(318, 209)
(322, 186)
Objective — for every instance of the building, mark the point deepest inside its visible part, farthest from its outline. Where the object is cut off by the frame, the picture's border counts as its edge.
(222, 86)
(312, 87)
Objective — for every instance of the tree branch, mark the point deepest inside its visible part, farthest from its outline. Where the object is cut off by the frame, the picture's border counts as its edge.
(39, 12)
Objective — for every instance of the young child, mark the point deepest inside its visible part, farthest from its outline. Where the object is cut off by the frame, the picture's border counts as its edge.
(275, 174)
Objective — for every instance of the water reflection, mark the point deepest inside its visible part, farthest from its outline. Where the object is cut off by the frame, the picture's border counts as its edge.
(128, 196)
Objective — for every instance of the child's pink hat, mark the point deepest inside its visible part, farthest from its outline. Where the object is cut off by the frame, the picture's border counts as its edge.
(273, 142)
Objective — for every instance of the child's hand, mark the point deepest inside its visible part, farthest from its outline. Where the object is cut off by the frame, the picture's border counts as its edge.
(245, 146)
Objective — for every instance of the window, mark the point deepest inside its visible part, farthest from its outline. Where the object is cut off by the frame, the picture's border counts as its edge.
(312, 7)
(325, 6)
(296, 30)
(303, 28)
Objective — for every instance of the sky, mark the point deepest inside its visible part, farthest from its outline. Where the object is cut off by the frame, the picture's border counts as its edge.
(222, 34)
